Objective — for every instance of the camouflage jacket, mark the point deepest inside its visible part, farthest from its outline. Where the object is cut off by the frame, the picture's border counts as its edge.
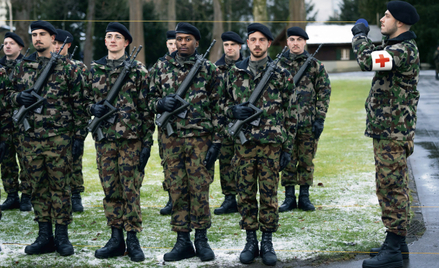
(62, 110)
(133, 119)
(5, 121)
(205, 113)
(393, 98)
(278, 102)
(223, 66)
(9, 69)
(313, 89)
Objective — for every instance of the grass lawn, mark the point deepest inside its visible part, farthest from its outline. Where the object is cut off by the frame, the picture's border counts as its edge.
(347, 218)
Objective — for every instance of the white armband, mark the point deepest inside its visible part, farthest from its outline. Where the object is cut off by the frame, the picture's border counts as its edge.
(381, 61)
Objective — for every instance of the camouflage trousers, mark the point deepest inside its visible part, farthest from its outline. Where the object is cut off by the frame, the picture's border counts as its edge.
(392, 183)
(166, 183)
(257, 166)
(49, 166)
(14, 179)
(300, 171)
(227, 172)
(77, 182)
(121, 180)
(189, 181)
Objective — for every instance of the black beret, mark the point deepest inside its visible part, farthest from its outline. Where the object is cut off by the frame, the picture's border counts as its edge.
(403, 11)
(231, 36)
(61, 36)
(119, 28)
(41, 24)
(170, 35)
(257, 27)
(297, 31)
(187, 28)
(15, 37)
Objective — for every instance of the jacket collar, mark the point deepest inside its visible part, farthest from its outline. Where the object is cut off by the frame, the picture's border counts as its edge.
(222, 60)
(3, 60)
(402, 37)
(244, 63)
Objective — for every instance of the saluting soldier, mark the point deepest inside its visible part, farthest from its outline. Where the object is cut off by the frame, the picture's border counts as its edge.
(191, 152)
(391, 120)
(47, 145)
(313, 93)
(77, 183)
(270, 144)
(126, 145)
(232, 44)
(14, 179)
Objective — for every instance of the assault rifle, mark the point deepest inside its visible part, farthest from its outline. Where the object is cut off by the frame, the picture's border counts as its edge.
(164, 118)
(302, 69)
(94, 125)
(235, 129)
(73, 53)
(18, 64)
(19, 116)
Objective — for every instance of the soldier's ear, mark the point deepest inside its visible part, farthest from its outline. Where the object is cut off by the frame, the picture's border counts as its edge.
(197, 43)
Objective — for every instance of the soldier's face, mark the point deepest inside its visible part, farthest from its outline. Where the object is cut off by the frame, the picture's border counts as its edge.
(186, 44)
(296, 44)
(171, 45)
(11, 48)
(388, 24)
(42, 40)
(57, 46)
(231, 49)
(258, 45)
(115, 42)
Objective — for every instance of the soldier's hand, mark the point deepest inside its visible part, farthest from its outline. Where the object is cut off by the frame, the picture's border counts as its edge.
(3, 149)
(360, 27)
(317, 128)
(212, 155)
(98, 110)
(285, 158)
(241, 111)
(25, 98)
(144, 156)
(77, 148)
(167, 104)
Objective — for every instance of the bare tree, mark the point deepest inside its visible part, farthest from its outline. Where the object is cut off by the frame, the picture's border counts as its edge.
(88, 47)
(172, 16)
(136, 27)
(297, 13)
(22, 10)
(218, 29)
(260, 10)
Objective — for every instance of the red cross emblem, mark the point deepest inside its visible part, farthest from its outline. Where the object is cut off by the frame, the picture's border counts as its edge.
(382, 60)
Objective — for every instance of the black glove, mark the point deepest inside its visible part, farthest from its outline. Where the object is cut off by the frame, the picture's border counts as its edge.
(25, 98)
(77, 148)
(212, 155)
(167, 104)
(285, 159)
(144, 156)
(317, 128)
(3, 150)
(98, 109)
(241, 111)
(360, 27)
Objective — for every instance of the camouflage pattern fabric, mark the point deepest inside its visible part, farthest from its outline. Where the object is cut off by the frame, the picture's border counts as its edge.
(257, 167)
(121, 181)
(189, 181)
(49, 166)
(392, 102)
(392, 183)
(300, 171)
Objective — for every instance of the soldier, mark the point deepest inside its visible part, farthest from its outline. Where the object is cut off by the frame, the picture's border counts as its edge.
(232, 43)
(391, 120)
(47, 146)
(11, 175)
(123, 152)
(191, 152)
(258, 162)
(3, 126)
(436, 62)
(77, 183)
(314, 91)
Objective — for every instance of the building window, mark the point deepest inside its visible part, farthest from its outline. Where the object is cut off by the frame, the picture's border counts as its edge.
(345, 52)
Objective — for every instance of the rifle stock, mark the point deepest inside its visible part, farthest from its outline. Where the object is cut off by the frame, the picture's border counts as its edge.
(302, 69)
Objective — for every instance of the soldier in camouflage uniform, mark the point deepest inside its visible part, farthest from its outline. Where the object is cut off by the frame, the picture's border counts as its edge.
(258, 162)
(313, 91)
(391, 120)
(232, 43)
(77, 182)
(190, 153)
(436, 62)
(47, 146)
(123, 152)
(14, 179)
(4, 136)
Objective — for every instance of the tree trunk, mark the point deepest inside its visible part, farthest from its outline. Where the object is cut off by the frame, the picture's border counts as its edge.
(88, 47)
(172, 17)
(260, 11)
(136, 27)
(297, 13)
(22, 10)
(218, 29)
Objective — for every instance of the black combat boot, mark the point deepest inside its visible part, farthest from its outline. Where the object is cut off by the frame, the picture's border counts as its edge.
(251, 249)
(44, 242)
(62, 243)
(228, 206)
(114, 247)
(25, 204)
(183, 248)
(203, 250)
(133, 247)
(11, 202)
(404, 250)
(77, 202)
(267, 251)
(167, 210)
(390, 254)
(290, 200)
(304, 202)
